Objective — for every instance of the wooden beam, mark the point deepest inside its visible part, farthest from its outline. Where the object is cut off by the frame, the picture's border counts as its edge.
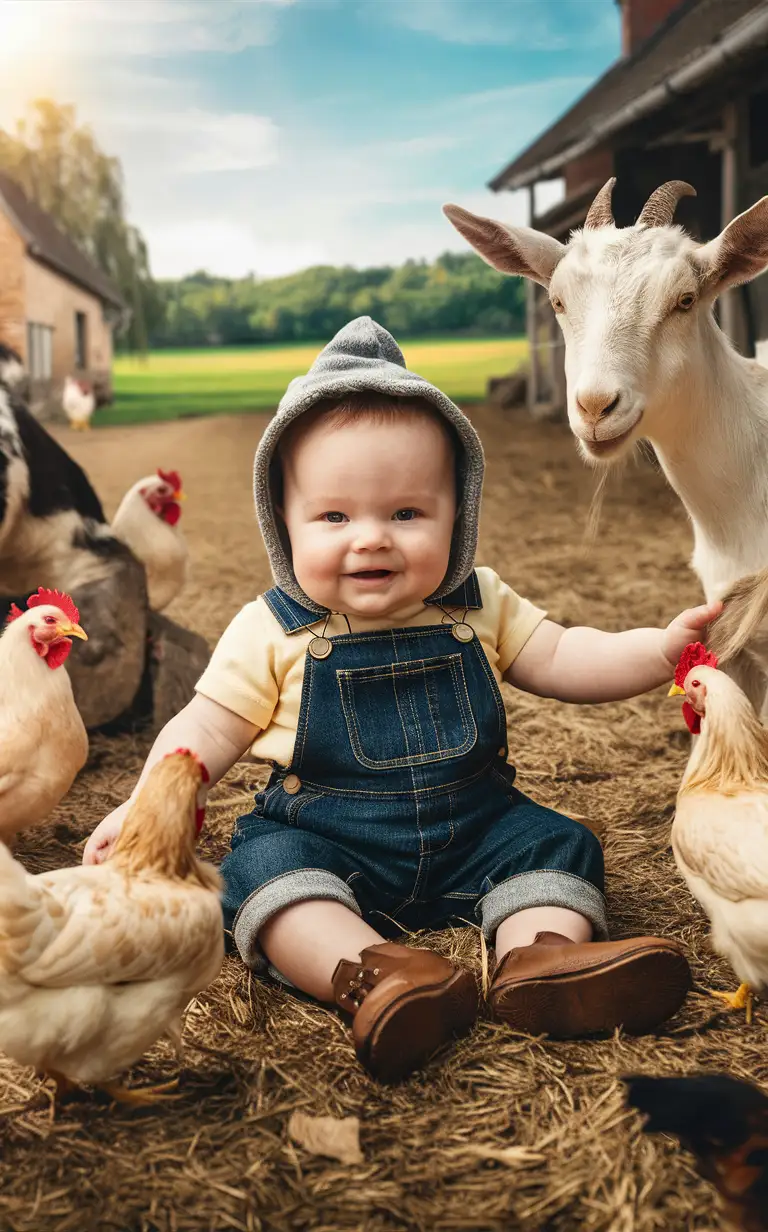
(530, 321)
(729, 205)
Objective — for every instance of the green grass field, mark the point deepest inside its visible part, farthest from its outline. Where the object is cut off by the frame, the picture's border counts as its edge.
(219, 381)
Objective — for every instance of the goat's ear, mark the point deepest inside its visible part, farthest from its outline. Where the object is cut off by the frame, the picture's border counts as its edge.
(739, 253)
(512, 250)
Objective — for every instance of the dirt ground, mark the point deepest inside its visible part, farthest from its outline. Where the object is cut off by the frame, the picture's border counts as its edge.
(437, 1149)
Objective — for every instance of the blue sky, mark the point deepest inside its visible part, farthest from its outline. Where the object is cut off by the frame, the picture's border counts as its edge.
(268, 135)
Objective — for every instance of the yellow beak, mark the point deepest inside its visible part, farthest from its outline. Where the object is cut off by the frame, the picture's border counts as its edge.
(179, 496)
(66, 629)
(676, 691)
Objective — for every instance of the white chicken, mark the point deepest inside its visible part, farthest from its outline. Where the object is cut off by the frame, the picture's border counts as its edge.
(720, 831)
(43, 741)
(79, 403)
(97, 962)
(147, 520)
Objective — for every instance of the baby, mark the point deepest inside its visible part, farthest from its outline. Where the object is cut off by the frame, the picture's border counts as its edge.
(369, 676)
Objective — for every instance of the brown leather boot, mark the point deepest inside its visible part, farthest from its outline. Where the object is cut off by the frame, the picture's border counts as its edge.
(556, 987)
(405, 1003)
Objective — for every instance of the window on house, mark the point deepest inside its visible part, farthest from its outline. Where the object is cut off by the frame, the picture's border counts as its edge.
(40, 351)
(81, 340)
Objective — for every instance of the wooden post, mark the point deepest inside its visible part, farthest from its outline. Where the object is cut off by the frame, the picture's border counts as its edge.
(730, 207)
(530, 321)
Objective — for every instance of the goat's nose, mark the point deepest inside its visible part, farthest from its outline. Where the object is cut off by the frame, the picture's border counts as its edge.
(597, 404)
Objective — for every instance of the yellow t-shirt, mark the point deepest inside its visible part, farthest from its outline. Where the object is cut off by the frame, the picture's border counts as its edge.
(257, 670)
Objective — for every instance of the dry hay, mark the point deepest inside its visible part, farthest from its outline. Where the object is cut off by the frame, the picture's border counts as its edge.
(503, 1132)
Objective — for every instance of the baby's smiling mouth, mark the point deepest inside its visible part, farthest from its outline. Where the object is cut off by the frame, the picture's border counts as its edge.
(371, 575)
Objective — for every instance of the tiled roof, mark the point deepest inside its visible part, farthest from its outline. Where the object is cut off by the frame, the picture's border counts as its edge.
(46, 242)
(691, 30)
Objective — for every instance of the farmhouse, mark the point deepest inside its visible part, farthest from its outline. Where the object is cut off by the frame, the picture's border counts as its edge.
(688, 100)
(57, 309)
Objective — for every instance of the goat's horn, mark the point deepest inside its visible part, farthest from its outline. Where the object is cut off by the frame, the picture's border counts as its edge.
(659, 209)
(600, 211)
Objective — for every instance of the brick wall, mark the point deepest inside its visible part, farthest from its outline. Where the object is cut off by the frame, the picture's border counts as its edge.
(639, 19)
(593, 168)
(12, 288)
(51, 300)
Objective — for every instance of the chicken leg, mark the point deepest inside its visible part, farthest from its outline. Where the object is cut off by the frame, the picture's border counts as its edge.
(742, 999)
(139, 1097)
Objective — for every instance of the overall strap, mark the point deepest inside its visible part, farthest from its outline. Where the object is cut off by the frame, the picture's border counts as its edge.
(293, 616)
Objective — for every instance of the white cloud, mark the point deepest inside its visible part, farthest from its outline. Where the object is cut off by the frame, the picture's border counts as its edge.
(192, 141)
(230, 249)
(140, 27)
(528, 24)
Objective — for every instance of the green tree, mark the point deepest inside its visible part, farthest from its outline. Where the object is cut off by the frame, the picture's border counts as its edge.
(61, 167)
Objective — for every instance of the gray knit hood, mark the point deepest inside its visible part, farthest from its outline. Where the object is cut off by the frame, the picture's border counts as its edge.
(363, 356)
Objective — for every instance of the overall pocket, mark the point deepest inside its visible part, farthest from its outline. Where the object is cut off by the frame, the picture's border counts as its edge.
(408, 714)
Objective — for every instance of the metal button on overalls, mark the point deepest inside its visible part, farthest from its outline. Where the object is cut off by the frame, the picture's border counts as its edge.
(291, 784)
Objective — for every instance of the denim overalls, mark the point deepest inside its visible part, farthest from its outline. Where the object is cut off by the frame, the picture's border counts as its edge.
(399, 802)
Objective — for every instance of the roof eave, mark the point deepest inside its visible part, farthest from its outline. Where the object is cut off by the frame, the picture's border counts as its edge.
(113, 299)
(740, 39)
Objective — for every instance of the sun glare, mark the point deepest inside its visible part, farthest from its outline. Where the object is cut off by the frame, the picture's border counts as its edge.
(22, 28)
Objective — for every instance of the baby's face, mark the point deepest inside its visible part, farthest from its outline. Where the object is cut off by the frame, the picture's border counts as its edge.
(370, 509)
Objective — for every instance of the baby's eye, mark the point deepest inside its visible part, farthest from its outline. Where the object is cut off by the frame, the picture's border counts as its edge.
(334, 516)
(406, 515)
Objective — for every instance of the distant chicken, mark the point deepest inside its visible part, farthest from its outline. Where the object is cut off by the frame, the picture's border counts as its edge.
(97, 962)
(79, 403)
(43, 742)
(720, 831)
(147, 520)
(724, 1123)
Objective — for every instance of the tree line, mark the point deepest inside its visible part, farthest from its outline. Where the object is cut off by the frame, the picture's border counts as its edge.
(457, 293)
(60, 166)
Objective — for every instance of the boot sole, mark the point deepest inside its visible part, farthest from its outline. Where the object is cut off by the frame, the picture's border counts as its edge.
(635, 991)
(414, 1026)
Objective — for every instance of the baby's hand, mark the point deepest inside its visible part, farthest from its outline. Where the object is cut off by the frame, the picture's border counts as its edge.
(100, 844)
(687, 627)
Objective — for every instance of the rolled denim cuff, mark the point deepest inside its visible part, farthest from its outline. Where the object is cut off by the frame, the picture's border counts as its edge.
(547, 888)
(283, 891)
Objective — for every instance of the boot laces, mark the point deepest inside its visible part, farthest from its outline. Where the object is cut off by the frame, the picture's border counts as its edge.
(360, 986)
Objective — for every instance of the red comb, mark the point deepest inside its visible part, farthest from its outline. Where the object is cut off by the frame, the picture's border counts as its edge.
(56, 599)
(13, 614)
(173, 478)
(188, 753)
(694, 655)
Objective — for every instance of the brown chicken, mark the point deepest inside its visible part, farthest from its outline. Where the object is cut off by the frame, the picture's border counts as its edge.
(98, 962)
(724, 1123)
(43, 742)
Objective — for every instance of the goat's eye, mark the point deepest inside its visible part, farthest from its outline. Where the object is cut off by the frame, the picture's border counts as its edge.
(557, 304)
(686, 300)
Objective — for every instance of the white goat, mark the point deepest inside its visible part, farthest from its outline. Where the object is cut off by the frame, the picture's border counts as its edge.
(644, 358)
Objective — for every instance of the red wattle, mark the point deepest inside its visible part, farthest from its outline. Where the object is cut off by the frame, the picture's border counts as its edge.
(692, 719)
(54, 653)
(170, 512)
